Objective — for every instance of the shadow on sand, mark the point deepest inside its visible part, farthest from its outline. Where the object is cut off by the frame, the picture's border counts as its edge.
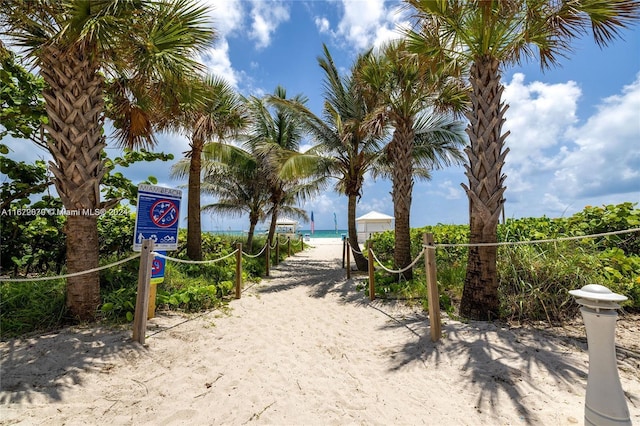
(34, 367)
(490, 350)
(49, 364)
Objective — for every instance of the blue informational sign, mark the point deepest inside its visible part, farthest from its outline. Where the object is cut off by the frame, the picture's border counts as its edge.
(158, 217)
(157, 268)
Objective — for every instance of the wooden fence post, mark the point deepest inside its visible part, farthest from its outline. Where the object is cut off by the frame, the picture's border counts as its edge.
(432, 286)
(277, 250)
(238, 270)
(301, 242)
(142, 297)
(372, 282)
(289, 246)
(348, 259)
(267, 257)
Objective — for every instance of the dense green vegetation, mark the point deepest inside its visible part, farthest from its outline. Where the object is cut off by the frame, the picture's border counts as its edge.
(534, 279)
(27, 307)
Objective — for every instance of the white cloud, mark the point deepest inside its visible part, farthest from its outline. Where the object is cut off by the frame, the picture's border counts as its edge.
(266, 16)
(218, 63)
(538, 116)
(604, 157)
(322, 24)
(226, 17)
(557, 164)
(451, 191)
(381, 205)
(225, 20)
(366, 24)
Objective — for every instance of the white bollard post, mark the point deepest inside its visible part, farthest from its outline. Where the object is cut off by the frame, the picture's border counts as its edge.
(605, 403)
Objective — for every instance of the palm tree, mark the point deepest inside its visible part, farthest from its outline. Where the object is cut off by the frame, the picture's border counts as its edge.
(76, 44)
(215, 113)
(491, 35)
(274, 136)
(349, 137)
(438, 140)
(408, 88)
(237, 179)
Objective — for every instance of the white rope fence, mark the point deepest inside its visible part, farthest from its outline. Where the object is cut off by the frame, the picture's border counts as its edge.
(75, 274)
(503, 243)
(194, 262)
(553, 240)
(253, 256)
(399, 271)
(135, 256)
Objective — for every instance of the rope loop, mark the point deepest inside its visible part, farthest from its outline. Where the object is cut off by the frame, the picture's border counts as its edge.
(194, 262)
(399, 271)
(253, 256)
(75, 274)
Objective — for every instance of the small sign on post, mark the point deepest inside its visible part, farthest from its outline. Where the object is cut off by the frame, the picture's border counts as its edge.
(158, 217)
(157, 277)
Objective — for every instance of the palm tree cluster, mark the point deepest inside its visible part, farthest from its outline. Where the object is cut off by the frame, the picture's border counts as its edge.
(396, 114)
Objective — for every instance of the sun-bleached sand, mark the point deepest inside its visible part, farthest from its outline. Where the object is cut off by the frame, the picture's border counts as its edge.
(302, 347)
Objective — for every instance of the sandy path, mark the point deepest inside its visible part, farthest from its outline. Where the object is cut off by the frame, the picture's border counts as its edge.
(301, 347)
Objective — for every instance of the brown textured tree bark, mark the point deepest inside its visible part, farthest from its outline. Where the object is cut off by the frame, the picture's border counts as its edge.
(361, 261)
(194, 215)
(74, 103)
(400, 150)
(253, 221)
(83, 292)
(485, 190)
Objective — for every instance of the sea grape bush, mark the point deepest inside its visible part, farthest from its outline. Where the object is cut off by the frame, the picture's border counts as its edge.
(534, 279)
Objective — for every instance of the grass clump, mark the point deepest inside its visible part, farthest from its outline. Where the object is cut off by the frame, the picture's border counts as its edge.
(31, 306)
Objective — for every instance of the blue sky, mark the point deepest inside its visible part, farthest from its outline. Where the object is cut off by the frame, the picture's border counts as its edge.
(575, 130)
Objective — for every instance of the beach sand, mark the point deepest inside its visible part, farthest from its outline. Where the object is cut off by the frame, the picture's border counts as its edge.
(302, 347)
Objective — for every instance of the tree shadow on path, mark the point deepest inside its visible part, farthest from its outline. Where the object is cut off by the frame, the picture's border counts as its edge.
(321, 277)
(50, 364)
(494, 358)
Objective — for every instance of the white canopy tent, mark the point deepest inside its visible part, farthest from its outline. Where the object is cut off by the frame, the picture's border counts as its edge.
(286, 226)
(371, 223)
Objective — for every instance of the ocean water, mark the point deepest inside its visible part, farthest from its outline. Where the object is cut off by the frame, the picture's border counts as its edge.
(324, 233)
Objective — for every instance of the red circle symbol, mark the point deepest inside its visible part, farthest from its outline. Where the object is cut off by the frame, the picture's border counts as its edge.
(164, 213)
(156, 266)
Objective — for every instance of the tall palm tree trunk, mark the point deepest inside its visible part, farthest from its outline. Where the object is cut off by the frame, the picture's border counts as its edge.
(252, 229)
(75, 108)
(361, 261)
(194, 215)
(272, 225)
(400, 150)
(485, 190)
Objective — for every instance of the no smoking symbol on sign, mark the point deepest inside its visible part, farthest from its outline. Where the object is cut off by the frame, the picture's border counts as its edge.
(164, 213)
(156, 266)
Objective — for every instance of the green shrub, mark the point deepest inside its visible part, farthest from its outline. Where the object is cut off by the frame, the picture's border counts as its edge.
(119, 305)
(534, 280)
(27, 307)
